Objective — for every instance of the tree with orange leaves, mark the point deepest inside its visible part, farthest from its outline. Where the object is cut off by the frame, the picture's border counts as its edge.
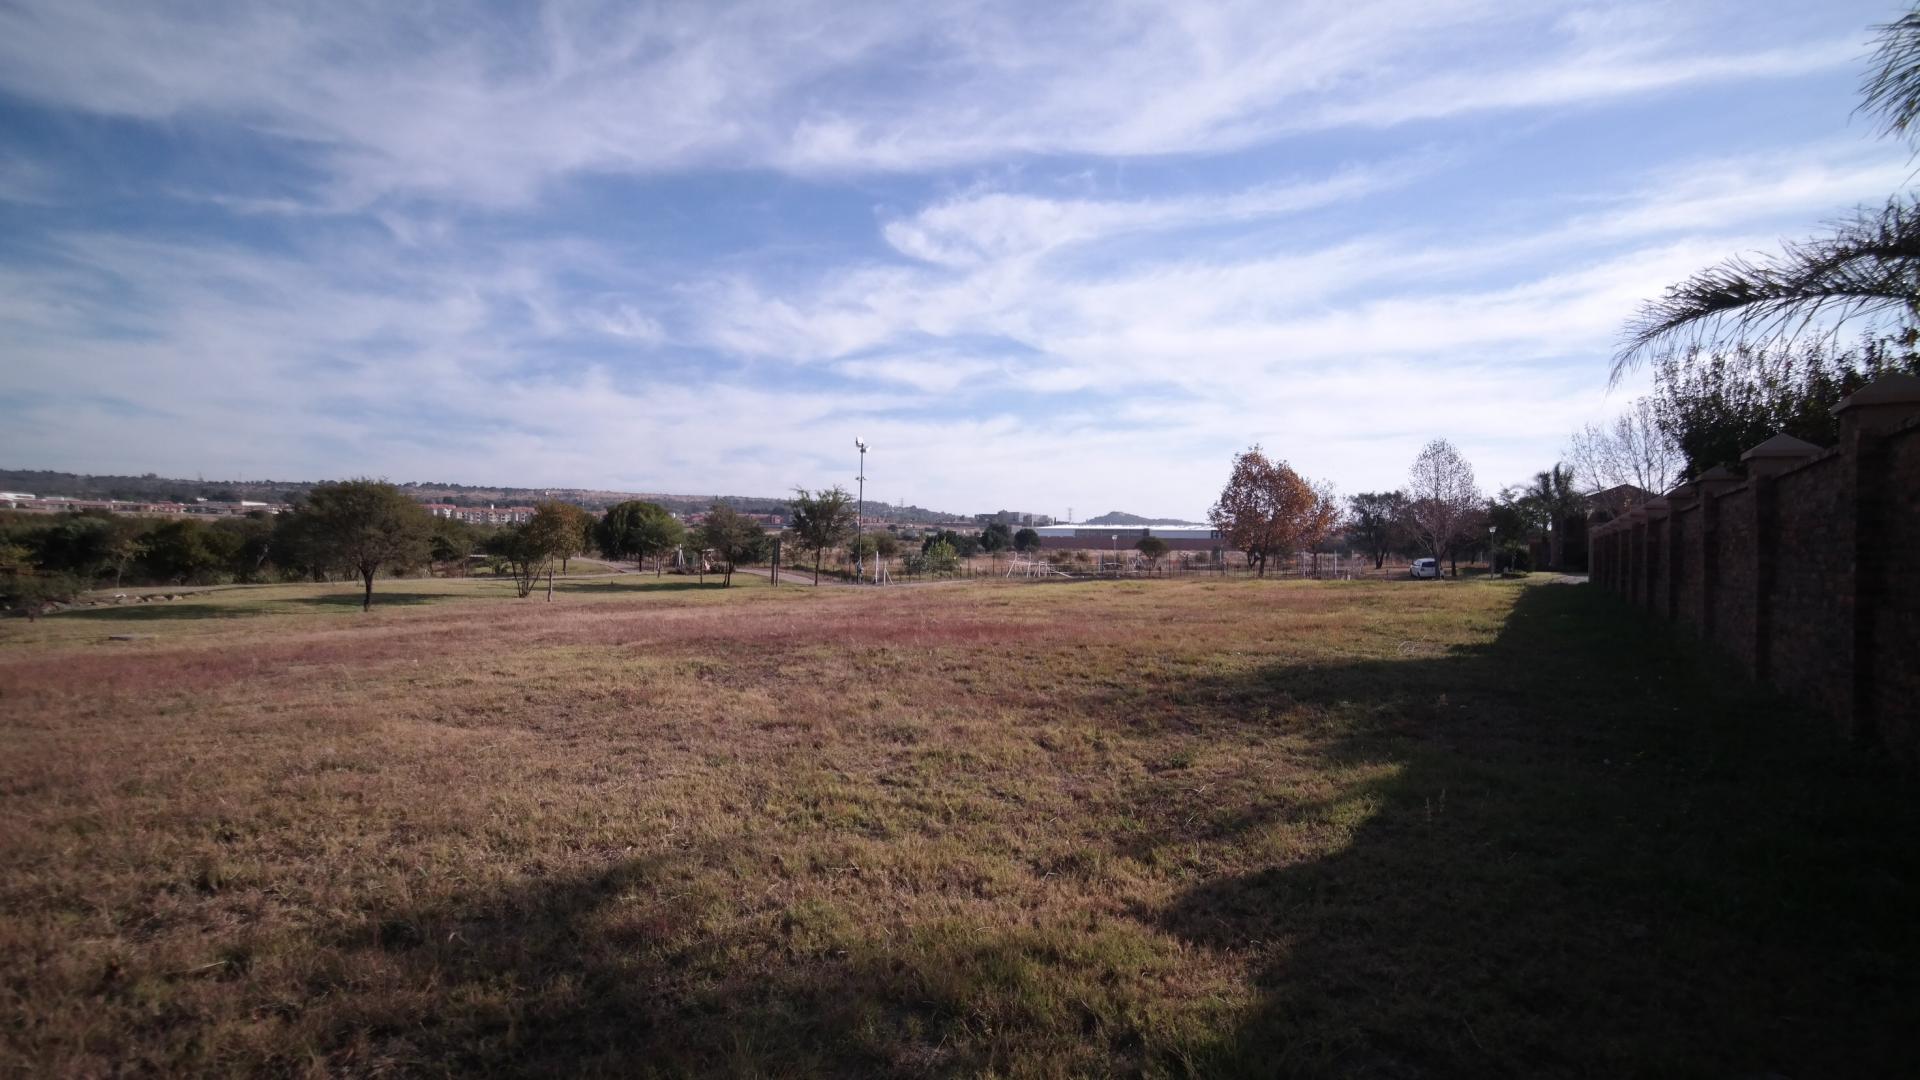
(1269, 511)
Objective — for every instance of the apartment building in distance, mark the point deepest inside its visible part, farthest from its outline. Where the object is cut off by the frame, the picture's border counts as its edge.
(481, 515)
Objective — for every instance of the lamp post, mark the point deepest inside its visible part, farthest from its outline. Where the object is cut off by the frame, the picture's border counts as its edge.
(859, 515)
(1493, 550)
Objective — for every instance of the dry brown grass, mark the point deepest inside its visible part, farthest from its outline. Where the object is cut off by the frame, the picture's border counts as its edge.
(1167, 828)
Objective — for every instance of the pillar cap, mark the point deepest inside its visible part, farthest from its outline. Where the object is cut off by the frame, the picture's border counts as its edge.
(1719, 476)
(1782, 445)
(1885, 390)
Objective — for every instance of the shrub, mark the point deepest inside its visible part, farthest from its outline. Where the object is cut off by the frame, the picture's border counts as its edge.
(33, 595)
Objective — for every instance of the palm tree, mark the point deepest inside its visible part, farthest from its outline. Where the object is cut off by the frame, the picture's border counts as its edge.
(1868, 263)
(1558, 501)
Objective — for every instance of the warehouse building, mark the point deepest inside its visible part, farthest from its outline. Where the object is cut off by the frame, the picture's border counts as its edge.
(1123, 537)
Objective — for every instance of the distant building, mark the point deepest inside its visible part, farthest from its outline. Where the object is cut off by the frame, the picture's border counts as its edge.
(15, 499)
(1123, 537)
(476, 515)
(1015, 518)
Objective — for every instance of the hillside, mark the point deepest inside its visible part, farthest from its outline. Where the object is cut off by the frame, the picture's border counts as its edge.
(1121, 517)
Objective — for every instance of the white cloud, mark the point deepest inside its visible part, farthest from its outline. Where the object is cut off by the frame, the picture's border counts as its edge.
(399, 98)
(1031, 349)
(986, 226)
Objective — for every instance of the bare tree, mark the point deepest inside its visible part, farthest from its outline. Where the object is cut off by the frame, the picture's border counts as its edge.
(1443, 501)
(1630, 450)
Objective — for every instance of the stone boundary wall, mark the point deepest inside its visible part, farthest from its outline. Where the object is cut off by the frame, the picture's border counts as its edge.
(1806, 569)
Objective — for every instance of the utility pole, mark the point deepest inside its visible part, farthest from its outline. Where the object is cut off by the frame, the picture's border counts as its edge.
(859, 515)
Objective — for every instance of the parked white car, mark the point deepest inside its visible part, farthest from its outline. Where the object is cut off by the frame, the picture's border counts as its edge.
(1425, 568)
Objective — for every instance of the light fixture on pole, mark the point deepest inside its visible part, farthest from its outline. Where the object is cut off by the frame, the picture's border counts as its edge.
(859, 514)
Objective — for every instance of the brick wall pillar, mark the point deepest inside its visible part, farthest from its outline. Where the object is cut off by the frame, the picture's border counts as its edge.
(1866, 417)
(1682, 555)
(1712, 484)
(1637, 557)
(1764, 463)
(1659, 555)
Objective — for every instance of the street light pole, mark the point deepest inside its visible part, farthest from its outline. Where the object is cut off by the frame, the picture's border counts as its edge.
(859, 516)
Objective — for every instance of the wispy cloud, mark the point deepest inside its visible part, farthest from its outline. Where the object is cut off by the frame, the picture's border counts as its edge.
(393, 98)
(680, 247)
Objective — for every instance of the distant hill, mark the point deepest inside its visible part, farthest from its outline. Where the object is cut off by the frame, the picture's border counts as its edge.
(154, 488)
(1121, 517)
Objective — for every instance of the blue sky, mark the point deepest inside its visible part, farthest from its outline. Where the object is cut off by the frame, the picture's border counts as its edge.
(1039, 256)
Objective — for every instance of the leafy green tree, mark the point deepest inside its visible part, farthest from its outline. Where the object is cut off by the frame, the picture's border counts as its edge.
(244, 545)
(368, 525)
(735, 538)
(1715, 404)
(1152, 548)
(875, 545)
(939, 557)
(299, 550)
(1026, 540)
(996, 537)
(1558, 502)
(1513, 518)
(453, 545)
(1377, 523)
(90, 544)
(563, 528)
(964, 545)
(31, 594)
(821, 521)
(639, 530)
(15, 558)
(181, 551)
(551, 535)
(937, 536)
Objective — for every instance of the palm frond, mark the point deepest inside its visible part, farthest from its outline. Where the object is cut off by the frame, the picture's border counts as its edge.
(1892, 85)
(1869, 264)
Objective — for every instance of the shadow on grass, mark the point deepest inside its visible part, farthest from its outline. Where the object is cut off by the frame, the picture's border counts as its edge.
(1578, 855)
(155, 611)
(620, 973)
(1568, 852)
(381, 597)
(631, 584)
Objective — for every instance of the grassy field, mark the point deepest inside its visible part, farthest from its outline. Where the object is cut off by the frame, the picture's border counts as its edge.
(1161, 828)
